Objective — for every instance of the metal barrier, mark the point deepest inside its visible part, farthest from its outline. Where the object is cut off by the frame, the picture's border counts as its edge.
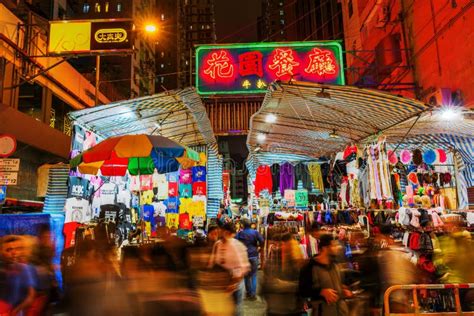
(416, 306)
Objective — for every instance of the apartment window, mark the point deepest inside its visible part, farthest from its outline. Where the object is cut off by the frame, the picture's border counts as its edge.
(190, 27)
(97, 7)
(162, 65)
(202, 27)
(119, 6)
(58, 116)
(208, 27)
(162, 17)
(282, 12)
(351, 9)
(106, 9)
(86, 7)
(162, 79)
(162, 54)
(282, 22)
(281, 4)
(30, 100)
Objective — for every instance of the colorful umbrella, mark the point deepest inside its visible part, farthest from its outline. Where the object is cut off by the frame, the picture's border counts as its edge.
(139, 154)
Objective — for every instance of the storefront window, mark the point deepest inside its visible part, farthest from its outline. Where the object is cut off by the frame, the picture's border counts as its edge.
(30, 100)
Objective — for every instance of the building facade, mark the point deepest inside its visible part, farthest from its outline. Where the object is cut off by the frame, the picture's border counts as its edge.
(36, 93)
(419, 49)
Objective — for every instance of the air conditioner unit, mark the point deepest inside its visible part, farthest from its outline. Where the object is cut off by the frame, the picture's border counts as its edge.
(439, 97)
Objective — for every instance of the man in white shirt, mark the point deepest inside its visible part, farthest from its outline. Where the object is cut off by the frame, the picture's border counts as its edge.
(231, 254)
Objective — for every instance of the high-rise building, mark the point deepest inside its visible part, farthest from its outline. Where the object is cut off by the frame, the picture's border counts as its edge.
(167, 45)
(183, 24)
(300, 20)
(196, 25)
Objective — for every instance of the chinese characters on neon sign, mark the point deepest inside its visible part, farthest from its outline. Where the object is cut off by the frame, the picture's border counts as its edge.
(249, 68)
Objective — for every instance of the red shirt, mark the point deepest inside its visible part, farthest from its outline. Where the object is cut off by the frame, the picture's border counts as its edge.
(184, 222)
(69, 231)
(199, 188)
(172, 189)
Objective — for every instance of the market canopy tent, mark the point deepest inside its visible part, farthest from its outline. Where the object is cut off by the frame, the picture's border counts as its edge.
(318, 120)
(178, 115)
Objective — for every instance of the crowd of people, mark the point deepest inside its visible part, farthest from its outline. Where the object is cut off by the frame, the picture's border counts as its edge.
(217, 272)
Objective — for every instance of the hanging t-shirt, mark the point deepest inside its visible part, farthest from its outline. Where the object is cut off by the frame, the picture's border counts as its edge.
(77, 210)
(263, 180)
(96, 182)
(184, 222)
(290, 197)
(185, 205)
(185, 176)
(148, 213)
(173, 189)
(125, 197)
(199, 188)
(109, 212)
(161, 184)
(172, 220)
(172, 205)
(159, 209)
(160, 221)
(287, 177)
(90, 140)
(172, 176)
(79, 137)
(108, 192)
(199, 206)
(301, 198)
(198, 221)
(69, 231)
(146, 182)
(135, 183)
(199, 174)
(147, 197)
(96, 202)
(185, 190)
(78, 187)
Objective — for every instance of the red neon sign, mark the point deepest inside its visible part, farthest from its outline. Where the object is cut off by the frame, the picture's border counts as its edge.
(283, 62)
(321, 62)
(220, 66)
(251, 64)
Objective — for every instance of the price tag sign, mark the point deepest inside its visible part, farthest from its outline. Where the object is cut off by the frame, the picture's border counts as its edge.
(8, 178)
(9, 165)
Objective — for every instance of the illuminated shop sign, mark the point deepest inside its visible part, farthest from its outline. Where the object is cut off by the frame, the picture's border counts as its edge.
(249, 68)
(84, 37)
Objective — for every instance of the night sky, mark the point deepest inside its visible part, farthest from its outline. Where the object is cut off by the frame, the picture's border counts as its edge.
(233, 15)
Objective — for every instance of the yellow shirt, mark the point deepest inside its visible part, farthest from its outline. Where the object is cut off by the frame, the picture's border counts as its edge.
(172, 220)
(185, 205)
(147, 197)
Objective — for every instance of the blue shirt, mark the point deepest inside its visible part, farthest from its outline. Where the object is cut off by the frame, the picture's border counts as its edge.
(19, 279)
(251, 239)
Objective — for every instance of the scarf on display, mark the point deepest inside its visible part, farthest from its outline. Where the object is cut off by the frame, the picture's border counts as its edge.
(375, 192)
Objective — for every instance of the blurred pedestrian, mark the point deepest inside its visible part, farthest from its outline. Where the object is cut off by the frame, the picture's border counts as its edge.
(329, 292)
(253, 241)
(231, 255)
(19, 281)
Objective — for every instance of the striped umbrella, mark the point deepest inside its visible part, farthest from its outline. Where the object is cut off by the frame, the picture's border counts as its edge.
(139, 154)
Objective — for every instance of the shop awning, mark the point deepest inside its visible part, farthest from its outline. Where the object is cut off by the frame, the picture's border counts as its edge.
(178, 115)
(431, 130)
(318, 120)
